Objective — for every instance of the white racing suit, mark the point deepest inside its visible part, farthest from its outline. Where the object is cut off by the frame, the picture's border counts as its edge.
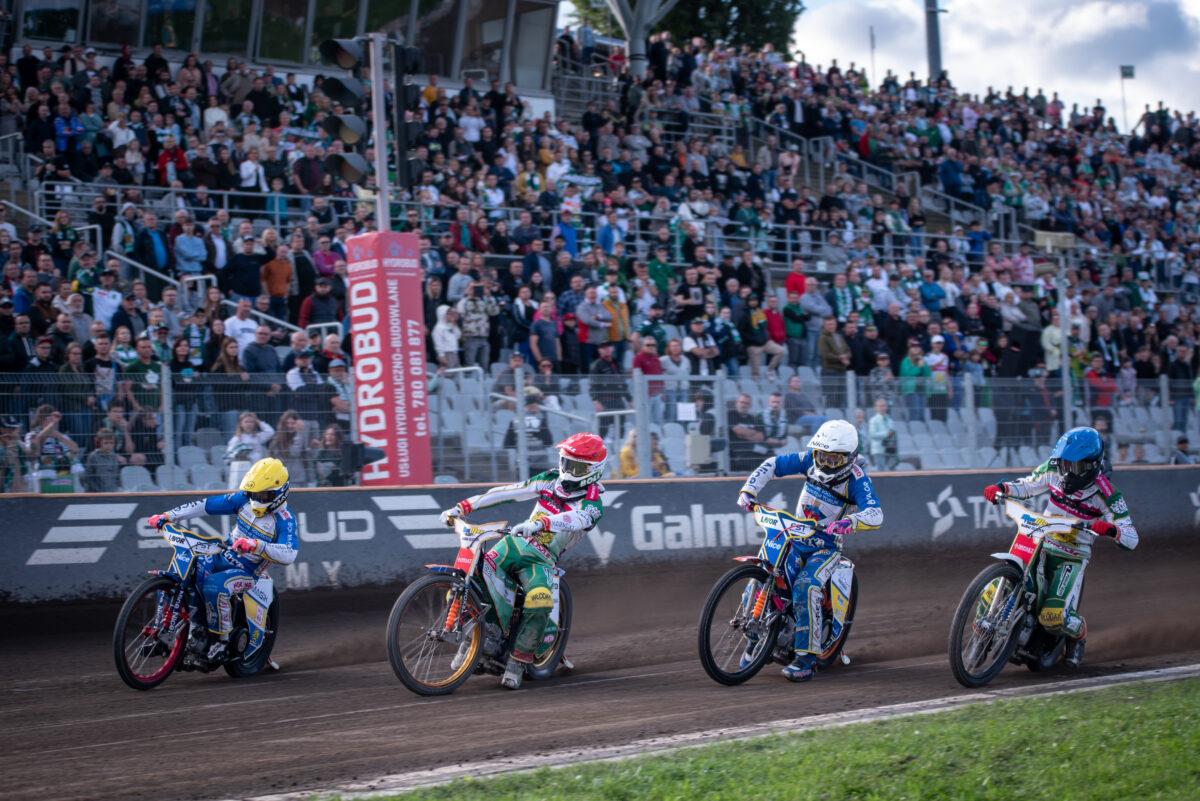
(809, 567)
(1060, 569)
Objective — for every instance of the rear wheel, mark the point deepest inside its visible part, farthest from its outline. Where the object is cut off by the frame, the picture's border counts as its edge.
(423, 650)
(241, 668)
(734, 644)
(147, 640)
(983, 633)
(834, 650)
(545, 667)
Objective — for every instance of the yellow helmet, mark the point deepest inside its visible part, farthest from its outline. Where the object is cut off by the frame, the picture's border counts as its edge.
(265, 485)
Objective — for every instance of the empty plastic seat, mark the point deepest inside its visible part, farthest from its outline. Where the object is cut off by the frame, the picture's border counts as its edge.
(170, 477)
(445, 479)
(189, 455)
(135, 478)
(206, 476)
(209, 438)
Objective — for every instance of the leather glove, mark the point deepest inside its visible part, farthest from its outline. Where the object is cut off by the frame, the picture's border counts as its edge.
(746, 501)
(243, 545)
(1102, 528)
(992, 492)
(529, 530)
(158, 521)
(840, 528)
(460, 509)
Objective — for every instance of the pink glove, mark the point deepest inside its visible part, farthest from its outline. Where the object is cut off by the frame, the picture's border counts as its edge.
(840, 528)
(746, 501)
(245, 545)
(158, 521)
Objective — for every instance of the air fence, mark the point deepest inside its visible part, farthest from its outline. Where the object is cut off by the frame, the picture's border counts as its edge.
(63, 547)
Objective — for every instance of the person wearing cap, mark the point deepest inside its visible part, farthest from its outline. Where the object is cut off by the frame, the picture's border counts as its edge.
(303, 374)
(339, 379)
(533, 419)
(1180, 455)
(321, 306)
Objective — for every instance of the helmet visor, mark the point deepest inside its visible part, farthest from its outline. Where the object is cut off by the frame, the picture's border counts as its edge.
(265, 496)
(1079, 468)
(830, 460)
(575, 468)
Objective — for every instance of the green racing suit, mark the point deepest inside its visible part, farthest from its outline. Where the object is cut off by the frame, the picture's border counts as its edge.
(565, 516)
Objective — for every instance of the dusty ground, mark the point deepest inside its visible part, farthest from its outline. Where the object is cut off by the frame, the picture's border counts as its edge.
(72, 730)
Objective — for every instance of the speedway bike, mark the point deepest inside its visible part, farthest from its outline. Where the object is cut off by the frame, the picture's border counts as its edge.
(162, 625)
(447, 625)
(997, 619)
(747, 618)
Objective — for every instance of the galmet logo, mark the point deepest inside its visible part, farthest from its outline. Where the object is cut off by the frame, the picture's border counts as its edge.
(946, 509)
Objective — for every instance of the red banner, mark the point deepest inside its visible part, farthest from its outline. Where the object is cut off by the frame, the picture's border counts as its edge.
(387, 327)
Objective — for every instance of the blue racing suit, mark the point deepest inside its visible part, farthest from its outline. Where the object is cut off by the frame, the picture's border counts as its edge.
(228, 572)
(809, 565)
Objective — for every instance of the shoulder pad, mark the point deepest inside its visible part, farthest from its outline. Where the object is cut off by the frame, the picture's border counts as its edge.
(1105, 486)
(856, 471)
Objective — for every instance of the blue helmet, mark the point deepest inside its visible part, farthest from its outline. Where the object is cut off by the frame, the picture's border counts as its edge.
(1078, 455)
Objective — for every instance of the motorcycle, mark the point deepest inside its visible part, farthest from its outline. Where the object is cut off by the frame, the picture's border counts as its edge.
(997, 619)
(162, 625)
(445, 626)
(749, 610)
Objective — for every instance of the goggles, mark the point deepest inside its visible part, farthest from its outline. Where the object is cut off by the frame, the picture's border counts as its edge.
(830, 460)
(576, 468)
(1076, 468)
(266, 496)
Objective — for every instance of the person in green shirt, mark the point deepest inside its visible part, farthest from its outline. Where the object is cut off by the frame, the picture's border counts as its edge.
(914, 381)
(652, 327)
(795, 328)
(661, 272)
(144, 376)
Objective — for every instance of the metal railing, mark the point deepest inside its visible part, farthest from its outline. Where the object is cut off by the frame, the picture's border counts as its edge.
(677, 125)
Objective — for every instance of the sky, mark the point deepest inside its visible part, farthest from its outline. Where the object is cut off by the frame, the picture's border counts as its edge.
(1073, 47)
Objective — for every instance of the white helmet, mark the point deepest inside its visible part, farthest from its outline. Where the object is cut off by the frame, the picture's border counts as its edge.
(834, 448)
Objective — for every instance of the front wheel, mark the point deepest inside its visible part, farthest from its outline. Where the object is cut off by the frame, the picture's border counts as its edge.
(735, 643)
(435, 635)
(983, 634)
(150, 633)
(545, 667)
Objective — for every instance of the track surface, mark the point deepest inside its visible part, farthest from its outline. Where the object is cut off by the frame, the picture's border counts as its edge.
(72, 730)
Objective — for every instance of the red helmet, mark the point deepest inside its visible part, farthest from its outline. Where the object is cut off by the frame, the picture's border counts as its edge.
(581, 459)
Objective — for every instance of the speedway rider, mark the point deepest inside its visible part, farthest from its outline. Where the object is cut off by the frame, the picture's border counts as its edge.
(1074, 477)
(568, 505)
(836, 480)
(265, 535)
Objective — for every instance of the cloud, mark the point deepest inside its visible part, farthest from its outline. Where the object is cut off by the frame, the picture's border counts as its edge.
(1067, 46)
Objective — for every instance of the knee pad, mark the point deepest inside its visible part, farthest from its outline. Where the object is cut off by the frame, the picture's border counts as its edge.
(539, 598)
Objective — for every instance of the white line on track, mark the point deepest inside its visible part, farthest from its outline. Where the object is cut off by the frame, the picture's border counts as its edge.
(425, 778)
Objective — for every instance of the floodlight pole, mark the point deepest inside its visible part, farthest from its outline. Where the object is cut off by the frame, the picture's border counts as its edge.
(383, 188)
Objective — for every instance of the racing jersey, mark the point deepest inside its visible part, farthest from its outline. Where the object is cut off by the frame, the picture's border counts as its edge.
(1100, 501)
(824, 503)
(276, 531)
(566, 516)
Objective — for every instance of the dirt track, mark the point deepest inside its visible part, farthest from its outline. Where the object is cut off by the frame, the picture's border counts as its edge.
(72, 730)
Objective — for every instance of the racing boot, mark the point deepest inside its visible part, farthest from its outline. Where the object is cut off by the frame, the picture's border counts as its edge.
(1073, 654)
(464, 650)
(801, 668)
(747, 655)
(513, 673)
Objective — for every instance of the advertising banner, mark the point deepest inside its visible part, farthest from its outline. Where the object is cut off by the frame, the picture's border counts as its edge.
(388, 335)
(99, 546)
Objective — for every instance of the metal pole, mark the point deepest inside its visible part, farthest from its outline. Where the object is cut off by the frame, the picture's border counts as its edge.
(641, 409)
(972, 419)
(933, 40)
(1124, 112)
(519, 421)
(379, 128)
(1064, 328)
(167, 409)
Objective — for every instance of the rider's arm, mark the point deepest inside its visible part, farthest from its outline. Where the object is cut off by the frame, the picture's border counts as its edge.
(287, 543)
(506, 493)
(789, 464)
(1116, 511)
(862, 492)
(568, 527)
(1032, 485)
(226, 504)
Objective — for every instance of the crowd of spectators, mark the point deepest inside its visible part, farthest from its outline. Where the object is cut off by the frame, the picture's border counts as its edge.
(596, 245)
